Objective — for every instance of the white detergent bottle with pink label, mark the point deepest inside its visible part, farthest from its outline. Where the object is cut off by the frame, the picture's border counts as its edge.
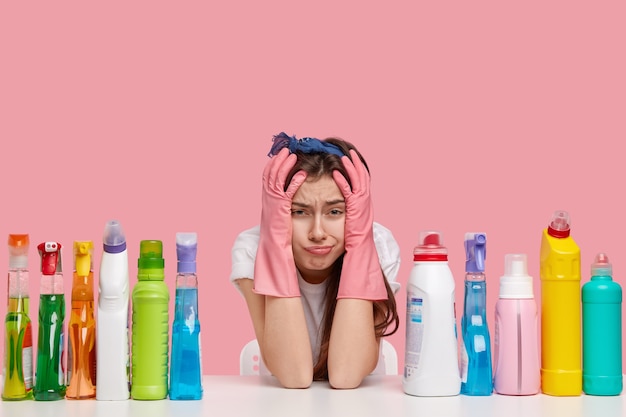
(431, 364)
(516, 353)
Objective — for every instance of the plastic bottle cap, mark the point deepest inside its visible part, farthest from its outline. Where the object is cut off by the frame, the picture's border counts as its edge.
(560, 224)
(516, 283)
(113, 240)
(151, 255)
(601, 266)
(186, 248)
(430, 247)
(18, 251)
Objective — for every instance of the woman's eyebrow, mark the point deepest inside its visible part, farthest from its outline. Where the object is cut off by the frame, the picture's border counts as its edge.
(333, 202)
(303, 205)
(328, 203)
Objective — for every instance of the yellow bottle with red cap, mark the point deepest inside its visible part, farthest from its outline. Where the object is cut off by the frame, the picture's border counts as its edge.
(561, 359)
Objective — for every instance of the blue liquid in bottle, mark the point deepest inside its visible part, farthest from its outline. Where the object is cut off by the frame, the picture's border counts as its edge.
(476, 377)
(186, 358)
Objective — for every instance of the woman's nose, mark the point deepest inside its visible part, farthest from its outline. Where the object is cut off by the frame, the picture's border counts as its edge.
(317, 231)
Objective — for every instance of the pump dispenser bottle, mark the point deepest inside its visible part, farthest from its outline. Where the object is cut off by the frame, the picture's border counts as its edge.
(602, 331)
(476, 371)
(559, 261)
(186, 358)
(516, 346)
(81, 360)
(150, 334)
(113, 353)
(18, 340)
(50, 374)
(431, 362)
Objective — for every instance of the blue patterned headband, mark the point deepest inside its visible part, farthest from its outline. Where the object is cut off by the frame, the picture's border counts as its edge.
(304, 145)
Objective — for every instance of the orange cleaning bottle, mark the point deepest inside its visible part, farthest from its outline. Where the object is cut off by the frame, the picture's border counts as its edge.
(81, 363)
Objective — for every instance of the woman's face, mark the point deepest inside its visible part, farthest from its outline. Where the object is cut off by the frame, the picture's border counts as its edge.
(318, 213)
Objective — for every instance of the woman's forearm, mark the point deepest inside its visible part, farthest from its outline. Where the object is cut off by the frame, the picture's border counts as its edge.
(353, 349)
(285, 342)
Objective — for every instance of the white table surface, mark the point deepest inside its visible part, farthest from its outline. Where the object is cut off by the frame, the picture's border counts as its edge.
(380, 396)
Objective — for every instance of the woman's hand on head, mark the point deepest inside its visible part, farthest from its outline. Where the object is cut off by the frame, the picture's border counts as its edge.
(274, 267)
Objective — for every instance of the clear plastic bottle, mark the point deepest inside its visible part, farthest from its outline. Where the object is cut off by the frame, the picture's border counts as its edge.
(476, 371)
(50, 374)
(150, 335)
(18, 351)
(186, 358)
(81, 360)
(516, 348)
(431, 366)
(559, 265)
(113, 352)
(602, 331)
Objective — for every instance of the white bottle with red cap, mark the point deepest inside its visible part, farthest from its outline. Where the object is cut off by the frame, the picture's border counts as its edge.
(431, 366)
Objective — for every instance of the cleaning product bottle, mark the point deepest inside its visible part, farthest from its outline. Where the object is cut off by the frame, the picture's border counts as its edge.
(476, 371)
(602, 331)
(186, 359)
(50, 374)
(18, 342)
(150, 335)
(431, 366)
(516, 353)
(559, 262)
(81, 360)
(113, 352)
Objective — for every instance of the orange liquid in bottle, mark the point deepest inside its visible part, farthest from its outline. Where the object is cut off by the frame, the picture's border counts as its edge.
(82, 341)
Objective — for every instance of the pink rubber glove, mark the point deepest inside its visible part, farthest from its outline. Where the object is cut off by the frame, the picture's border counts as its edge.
(274, 267)
(361, 276)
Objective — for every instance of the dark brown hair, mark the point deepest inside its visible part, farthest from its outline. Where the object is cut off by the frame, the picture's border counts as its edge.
(385, 312)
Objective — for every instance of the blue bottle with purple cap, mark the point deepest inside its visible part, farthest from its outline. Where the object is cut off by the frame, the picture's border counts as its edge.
(476, 370)
(186, 358)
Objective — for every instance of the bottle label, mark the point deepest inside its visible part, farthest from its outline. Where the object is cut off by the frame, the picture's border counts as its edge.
(27, 358)
(464, 363)
(61, 358)
(414, 335)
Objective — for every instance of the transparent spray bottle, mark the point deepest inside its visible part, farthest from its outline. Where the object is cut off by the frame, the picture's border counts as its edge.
(186, 358)
(476, 371)
(81, 361)
(18, 342)
(50, 374)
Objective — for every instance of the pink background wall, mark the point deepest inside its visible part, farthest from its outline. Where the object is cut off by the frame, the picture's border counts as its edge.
(473, 117)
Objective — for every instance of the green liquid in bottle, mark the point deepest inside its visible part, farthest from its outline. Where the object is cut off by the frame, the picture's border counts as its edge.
(50, 375)
(18, 378)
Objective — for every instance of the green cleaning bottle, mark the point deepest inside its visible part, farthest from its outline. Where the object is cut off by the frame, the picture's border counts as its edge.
(150, 329)
(50, 374)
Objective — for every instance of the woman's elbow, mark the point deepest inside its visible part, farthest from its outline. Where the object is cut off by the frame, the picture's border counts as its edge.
(344, 380)
(296, 380)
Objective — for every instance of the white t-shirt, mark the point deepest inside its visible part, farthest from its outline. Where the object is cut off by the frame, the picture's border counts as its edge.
(312, 295)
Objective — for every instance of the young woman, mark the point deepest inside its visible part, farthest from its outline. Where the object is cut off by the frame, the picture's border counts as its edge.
(317, 273)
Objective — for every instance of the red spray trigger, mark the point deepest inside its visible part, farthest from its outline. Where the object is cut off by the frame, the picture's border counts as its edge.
(50, 253)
